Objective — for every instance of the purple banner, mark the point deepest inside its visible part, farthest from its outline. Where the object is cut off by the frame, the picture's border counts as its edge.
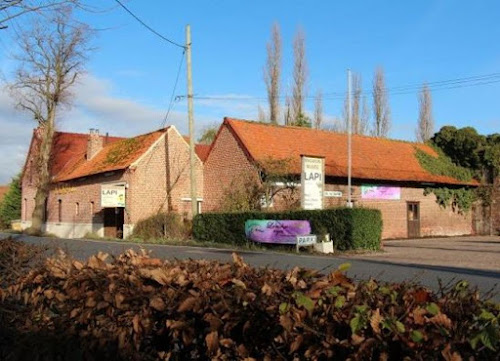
(380, 192)
(279, 232)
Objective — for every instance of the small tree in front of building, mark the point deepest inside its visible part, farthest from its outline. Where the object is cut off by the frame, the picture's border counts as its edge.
(274, 181)
(10, 206)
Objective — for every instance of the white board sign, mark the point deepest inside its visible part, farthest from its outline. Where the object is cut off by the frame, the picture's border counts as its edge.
(313, 182)
(333, 194)
(112, 196)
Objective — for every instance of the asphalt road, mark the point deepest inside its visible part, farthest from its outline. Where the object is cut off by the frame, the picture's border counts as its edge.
(385, 270)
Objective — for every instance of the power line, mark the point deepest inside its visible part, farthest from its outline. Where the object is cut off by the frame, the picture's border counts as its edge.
(172, 95)
(149, 27)
(457, 83)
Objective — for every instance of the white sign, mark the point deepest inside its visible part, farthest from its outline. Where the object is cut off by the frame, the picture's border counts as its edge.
(333, 194)
(303, 241)
(112, 196)
(313, 182)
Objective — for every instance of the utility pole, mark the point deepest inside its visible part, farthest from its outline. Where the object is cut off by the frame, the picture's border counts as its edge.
(192, 171)
(349, 135)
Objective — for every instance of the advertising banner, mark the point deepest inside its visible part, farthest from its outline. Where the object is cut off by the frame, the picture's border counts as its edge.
(312, 182)
(112, 196)
(273, 231)
(380, 192)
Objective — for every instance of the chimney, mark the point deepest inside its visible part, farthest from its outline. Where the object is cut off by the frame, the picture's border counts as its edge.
(94, 144)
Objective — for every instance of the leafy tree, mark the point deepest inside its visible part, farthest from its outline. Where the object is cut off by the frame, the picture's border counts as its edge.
(10, 207)
(464, 146)
(208, 134)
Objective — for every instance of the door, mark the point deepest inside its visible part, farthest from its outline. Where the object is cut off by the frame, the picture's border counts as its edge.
(113, 222)
(413, 211)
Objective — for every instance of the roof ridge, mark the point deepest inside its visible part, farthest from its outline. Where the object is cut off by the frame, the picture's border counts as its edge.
(324, 131)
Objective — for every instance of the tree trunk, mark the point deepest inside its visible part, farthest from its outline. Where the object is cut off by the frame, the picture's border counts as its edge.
(43, 165)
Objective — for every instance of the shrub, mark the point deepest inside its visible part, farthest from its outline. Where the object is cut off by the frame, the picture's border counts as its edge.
(10, 207)
(139, 308)
(162, 226)
(349, 228)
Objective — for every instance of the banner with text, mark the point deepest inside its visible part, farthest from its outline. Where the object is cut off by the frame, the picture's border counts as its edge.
(112, 196)
(313, 182)
(369, 191)
(275, 231)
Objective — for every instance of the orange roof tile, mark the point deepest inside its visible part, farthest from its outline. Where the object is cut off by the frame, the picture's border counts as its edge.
(372, 158)
(116, 155)
(201, 150)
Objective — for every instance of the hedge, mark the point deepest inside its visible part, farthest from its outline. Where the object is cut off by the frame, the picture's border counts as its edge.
(349, 228)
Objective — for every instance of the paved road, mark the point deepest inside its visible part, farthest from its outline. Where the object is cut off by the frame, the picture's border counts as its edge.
(464, 252)
(365, 268)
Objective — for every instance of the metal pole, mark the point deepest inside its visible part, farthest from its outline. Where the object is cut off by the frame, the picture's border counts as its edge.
(349, 133)
(192, 164)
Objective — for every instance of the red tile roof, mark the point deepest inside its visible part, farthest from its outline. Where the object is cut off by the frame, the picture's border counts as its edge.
(372, 158)
(118, 154)
(3, 191)
(201, 150)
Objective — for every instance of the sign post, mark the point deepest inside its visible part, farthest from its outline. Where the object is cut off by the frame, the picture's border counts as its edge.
(312, 182)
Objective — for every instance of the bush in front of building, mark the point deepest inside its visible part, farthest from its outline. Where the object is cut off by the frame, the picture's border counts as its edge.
(349, 228)
(161, 226)
(10, 206)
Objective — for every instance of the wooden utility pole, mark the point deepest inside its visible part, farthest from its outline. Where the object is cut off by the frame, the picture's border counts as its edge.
(349, 135)
(192, 170)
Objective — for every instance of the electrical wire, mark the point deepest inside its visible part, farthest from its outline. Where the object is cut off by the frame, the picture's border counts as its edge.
(149, 27)
(172, 95)
(464, 82)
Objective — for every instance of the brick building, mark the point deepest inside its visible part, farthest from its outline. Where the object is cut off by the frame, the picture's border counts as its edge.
(148, 173)
(242, 150)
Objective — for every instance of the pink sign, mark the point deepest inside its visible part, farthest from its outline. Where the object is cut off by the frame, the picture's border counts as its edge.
(274, 231)
(380, 192)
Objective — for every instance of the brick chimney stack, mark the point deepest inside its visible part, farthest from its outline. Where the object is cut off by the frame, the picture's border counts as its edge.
(94, 144)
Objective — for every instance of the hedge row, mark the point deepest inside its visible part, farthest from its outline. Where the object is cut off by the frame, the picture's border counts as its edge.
(133, 307)
(349, 228)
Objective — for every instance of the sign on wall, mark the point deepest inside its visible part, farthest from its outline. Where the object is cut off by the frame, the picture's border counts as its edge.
(313, 182)
(333, 194)
(274, 231)
(112, 196)
(369, 191)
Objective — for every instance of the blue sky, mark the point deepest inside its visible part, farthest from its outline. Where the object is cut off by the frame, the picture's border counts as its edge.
(131, 73)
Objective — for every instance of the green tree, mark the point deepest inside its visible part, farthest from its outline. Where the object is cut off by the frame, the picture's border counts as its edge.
(10, 207)
(464, 146)
(208, 135)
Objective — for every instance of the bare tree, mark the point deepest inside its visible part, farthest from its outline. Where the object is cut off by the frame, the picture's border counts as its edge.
(425, 128)
(300, 76)
(381, 110)
(51, 59)
(318, 110)
(287, 115)
(272, 73)
(12, 9)
(261, 115)
(356, 106)
(364, 119)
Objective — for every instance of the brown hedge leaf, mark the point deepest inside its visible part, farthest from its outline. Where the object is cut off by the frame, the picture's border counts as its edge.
(375, 321)
(212, 341)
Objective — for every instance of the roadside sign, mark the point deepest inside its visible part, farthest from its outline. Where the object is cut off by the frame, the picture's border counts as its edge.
(332, 194)
(303, 241)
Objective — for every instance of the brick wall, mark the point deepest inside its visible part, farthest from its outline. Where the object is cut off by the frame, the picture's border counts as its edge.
(227, 163)
(495, 207)
(226, 166)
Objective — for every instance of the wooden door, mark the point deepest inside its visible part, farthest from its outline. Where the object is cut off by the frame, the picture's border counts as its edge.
(413, 211)
(113, 222)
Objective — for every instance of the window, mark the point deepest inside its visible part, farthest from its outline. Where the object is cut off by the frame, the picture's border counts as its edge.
(77, 209)
(59, 211)
(25, 209)
(91, 208)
